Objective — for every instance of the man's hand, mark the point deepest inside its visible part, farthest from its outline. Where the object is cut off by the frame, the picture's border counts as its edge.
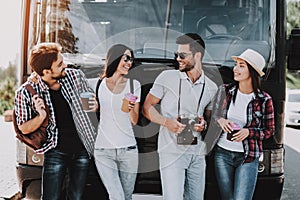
(93, 104)
(39, 106)
(37, 121)
(201, 126)
(174, 125)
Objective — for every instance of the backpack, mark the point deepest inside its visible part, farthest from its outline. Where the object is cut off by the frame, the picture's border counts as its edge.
(142, 121)
(37, 138)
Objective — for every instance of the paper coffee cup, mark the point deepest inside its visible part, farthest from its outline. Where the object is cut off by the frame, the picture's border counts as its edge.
(128, 98)
(85, 97)
(235, 128)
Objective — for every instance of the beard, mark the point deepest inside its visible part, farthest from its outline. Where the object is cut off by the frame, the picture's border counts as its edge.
(187, 68)
(59, 76)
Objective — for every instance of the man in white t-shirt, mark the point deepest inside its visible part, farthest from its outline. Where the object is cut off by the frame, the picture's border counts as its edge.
(184, 94)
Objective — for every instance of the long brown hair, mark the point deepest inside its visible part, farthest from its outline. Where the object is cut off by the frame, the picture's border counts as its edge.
(113, 58)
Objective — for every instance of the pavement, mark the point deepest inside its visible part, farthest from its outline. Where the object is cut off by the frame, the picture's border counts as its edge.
(8, 179)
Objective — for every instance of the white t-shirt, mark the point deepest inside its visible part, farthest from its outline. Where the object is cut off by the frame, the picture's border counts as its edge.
(115, 128)
(166, 88)
(237, 112)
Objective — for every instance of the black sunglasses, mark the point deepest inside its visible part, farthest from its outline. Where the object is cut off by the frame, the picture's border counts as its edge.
(181, 55)
(127, 58)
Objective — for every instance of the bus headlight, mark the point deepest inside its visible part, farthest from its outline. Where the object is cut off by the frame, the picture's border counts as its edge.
(271, 162)
(277, 161)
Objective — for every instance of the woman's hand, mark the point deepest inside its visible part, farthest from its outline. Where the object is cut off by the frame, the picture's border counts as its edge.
(240, 135)
(225, 124)
(130, 105)
(201, 125)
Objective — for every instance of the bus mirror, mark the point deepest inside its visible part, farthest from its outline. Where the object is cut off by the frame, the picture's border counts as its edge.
(294, 50)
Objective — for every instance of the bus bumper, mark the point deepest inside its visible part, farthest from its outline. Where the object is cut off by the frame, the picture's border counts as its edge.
(269, 187)
(29, 179)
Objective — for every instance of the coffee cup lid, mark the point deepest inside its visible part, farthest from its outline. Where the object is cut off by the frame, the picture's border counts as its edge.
(86, 94)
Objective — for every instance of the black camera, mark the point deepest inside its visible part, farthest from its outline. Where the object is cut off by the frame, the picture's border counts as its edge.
(186, 137)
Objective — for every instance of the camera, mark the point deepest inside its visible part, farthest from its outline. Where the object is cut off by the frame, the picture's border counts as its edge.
(186, 137)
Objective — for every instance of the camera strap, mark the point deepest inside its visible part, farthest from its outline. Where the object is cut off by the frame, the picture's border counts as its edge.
(201, 95)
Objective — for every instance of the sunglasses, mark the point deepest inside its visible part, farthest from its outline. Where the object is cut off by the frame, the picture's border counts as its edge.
(127, 58)
(181, 55)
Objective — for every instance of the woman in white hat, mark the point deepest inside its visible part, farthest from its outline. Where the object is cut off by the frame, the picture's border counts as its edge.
(246, 117)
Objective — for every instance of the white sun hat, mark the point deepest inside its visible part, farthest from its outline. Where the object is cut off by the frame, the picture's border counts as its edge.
(255, 59)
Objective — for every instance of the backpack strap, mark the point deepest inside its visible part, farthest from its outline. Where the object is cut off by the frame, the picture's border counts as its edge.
(33, 92)
(97, 88)
(131, 85)
(30, 89)
(37, 138)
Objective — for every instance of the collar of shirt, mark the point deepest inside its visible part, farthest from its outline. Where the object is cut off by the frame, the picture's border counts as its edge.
(184, 76)
(37, 79)
(260, 94)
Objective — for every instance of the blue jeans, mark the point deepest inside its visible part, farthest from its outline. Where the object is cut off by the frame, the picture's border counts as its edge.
(236, 179)
(182, 176)
(56, 165)
(117, 169)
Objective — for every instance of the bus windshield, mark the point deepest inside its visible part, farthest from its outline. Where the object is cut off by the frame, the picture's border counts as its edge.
(87, 28)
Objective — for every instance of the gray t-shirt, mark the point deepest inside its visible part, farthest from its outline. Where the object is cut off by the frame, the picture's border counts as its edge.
(166, 88)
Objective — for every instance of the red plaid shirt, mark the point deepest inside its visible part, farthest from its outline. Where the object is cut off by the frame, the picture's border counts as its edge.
(260, 119)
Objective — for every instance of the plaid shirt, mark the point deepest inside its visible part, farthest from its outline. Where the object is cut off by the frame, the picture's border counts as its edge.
(71, 86)
(260, 119)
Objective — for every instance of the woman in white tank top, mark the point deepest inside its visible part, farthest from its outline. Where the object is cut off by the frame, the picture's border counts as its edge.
(116, 152)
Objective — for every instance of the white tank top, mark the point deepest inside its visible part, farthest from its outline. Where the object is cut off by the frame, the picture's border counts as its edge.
(237, 112)
(115, 129)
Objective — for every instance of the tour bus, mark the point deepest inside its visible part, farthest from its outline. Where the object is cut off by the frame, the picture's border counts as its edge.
(87, 28)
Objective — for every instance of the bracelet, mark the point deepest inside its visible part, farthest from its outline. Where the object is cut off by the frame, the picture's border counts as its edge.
(205, 125)
(164, 124)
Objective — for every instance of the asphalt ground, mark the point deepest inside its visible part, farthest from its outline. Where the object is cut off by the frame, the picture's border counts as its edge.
(8, 178)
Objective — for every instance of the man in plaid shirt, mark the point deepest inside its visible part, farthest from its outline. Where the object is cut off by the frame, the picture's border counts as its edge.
(71, 134)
